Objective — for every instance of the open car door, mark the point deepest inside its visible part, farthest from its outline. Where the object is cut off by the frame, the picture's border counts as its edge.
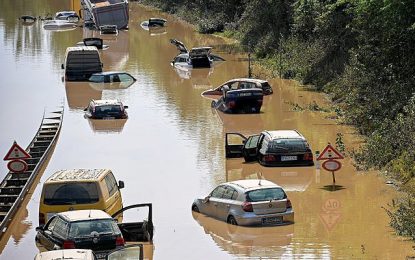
(234, 144)
(250, 149)
(180, 46)
(137, 231)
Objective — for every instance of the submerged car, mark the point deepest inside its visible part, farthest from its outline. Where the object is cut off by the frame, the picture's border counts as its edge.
(93, 41)
(73, 254)
(108, 29)
(111, 77)
(58, 25)
(106, 109)
(67, 15)
(240, 101)
(200, 57)
(247, 203)
(241, 83)
(95, 230)
(271, 148)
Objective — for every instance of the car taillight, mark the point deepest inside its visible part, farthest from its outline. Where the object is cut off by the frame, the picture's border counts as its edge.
(68, 244)
(41, 219)
(231, 104)
(247, 206)
(119, 241)
(269, 158)
(308, 157)
(288, 205)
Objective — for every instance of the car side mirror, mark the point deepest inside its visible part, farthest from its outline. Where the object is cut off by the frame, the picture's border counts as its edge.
(125, 107)
(85, 109)
(243, 142)
(39, 228)
(206, 199)
(121, 185)
(102, 65)
(62, 66)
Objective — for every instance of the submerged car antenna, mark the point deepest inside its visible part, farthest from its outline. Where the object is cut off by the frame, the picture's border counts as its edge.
(260, 178)
(89, 216)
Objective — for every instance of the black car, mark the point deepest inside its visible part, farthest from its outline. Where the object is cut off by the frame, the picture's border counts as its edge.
(93, 229)
(271, 148)
(106, 109)
(240, 101)
(111, 77)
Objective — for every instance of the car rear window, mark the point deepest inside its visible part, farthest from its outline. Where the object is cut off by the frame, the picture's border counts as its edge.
(100, 226)
(108, 109)
(283, 145)
(265, 194)
(71, 193)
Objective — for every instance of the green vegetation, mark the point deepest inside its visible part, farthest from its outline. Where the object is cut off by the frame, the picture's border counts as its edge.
(361, 52)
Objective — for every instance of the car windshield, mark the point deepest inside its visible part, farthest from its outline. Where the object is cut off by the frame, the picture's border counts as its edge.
(281, 145)
(71, 193)
(125, 253)
(97, 78)
(108, 109)
(100, 226)
(266, 195)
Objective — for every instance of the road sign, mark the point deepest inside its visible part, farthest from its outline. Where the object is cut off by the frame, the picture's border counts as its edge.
(331, 165)
(16, 152)
(330, 153)
(17, 166)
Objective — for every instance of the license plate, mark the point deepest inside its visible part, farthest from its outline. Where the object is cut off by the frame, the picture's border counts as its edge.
(101, 255)
(273, 220)
(289, 158)
(108, 118)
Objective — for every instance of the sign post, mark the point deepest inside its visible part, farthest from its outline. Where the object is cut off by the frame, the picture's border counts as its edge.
(330, 156)
(16, 156)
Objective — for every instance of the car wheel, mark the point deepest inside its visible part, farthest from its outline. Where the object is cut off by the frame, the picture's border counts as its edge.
(232, 221)
(195, 208)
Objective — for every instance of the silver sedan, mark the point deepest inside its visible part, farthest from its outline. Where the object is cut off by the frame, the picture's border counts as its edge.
(247, 203)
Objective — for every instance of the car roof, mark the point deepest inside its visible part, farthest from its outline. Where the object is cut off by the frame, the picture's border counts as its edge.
(81, 254)
(81, 48)
(103, 102)
(85, 214)
(77, 175)
(248, 80)
(253, 184)
(284, 134)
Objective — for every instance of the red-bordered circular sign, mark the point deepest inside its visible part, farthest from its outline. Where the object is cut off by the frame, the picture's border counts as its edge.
(17, 166)
(331, 165)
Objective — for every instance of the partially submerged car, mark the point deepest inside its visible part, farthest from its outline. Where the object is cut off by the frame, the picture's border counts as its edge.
(67, 15)
(241, 83)
(106, 109)
(73, 254)
(271, 148)
(95, 230)
(240, 101)
(199, 57)
(58, 25)
(108, 29)
(111, 77)
(131, 252)
(153, 22)
(247, 203)
(81, 62)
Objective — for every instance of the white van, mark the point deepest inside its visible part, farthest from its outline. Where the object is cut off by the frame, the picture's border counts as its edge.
(81, 62)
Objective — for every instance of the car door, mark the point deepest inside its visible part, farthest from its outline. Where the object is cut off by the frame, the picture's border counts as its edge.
(234, 144)
(138, 231)
(45, 236)
(250, 148)
(226, 203)
(215, 202)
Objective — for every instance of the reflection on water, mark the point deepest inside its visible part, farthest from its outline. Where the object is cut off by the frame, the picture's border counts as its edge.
(112, 85)
(267, 242)
(107, 126)
(79, 94)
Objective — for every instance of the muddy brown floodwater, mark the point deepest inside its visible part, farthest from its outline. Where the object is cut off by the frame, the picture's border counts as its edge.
(171, 148)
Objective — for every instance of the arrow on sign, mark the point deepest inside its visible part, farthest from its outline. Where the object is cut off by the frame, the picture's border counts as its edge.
(16, 152)
(330, 153)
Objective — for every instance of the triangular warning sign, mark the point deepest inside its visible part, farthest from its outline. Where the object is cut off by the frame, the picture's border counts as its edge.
(16, 152)
(330, 153)
(329, 219)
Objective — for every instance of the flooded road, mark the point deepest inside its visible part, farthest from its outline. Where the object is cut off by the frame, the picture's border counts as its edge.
(171, 148)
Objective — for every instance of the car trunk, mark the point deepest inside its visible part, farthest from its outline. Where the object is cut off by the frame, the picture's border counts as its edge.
(103, 242)
(269, 207)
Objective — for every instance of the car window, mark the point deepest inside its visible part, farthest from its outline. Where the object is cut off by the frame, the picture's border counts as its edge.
(96, 78)
(60, 229)
(115, 78)
(111, 184)
(218, 192)
(246, 85)
(264, 144)
(108, 109)
(101, 226)
(266, 194)
(252, 142)
(281, 145)
(133, 252)
(51, 224)
(71, 193)
(228, 194)
(233, 85)
(125, 77)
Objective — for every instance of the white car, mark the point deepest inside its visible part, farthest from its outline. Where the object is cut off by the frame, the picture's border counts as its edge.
(73, 254)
